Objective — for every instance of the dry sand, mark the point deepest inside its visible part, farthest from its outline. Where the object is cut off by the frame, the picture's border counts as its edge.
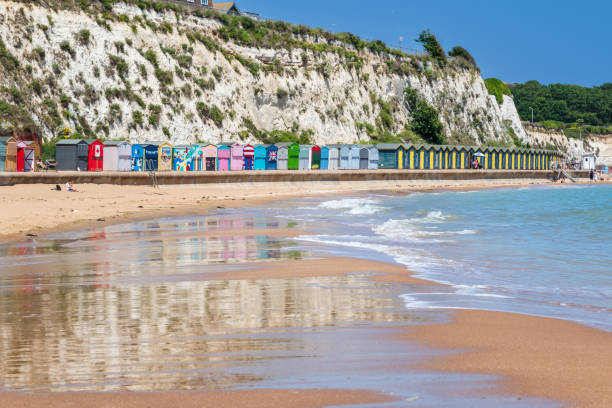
(538, 357)
(36, 208)
(209, 399)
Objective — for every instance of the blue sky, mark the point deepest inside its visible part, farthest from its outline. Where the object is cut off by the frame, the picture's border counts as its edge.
(550, 41)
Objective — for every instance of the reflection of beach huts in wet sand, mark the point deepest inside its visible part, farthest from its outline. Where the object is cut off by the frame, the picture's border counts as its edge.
(71, 154)
(237, 157)
(117, 156)
(293, 157)
(223, 157)
(271, 157)
(249, 157)
(390, 156)
(210, 157)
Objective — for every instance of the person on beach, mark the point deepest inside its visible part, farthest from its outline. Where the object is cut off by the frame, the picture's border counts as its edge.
(70, 188)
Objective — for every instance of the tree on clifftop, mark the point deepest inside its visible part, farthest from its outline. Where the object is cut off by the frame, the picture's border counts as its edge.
(432, 47)
(460, 52)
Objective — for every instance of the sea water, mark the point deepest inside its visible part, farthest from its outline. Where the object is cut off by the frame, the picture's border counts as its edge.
(540, 250)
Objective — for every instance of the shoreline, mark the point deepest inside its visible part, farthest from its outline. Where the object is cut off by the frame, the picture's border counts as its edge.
(498, 343)
(37, 209)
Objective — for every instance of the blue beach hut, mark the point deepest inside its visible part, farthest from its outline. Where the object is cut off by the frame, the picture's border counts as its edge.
(345, 154)
(324, 158)
(261, 153)
(373, 158)
(271, 157)
(151, 155)
(138, 154)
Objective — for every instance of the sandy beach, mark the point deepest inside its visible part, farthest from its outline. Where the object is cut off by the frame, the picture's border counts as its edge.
(38, 208)
(535, 357)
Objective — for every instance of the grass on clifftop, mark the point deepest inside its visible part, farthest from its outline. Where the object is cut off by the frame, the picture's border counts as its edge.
(497, 88)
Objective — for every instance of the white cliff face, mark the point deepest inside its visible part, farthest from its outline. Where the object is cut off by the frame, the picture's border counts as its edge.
(329, 103)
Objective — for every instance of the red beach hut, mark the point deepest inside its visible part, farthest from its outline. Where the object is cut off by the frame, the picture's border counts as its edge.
(249, 155)
(95, 157)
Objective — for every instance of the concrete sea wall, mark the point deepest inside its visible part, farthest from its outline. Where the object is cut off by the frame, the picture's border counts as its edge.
(176, 178)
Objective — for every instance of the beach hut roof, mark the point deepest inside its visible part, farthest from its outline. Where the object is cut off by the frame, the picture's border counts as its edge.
(115, 142)
(283, 144)
(69, 142)
(388, 146)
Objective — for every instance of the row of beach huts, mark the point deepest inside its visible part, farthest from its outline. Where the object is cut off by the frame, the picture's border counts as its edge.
(95, 155)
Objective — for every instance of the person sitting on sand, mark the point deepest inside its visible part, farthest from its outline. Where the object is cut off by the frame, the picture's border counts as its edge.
(70, 188)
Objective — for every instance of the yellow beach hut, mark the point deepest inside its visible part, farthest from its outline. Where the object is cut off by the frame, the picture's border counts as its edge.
(164, 162)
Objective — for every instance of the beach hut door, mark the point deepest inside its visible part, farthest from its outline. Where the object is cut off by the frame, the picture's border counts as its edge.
(20, 159)
(28, 159)
(210, 164)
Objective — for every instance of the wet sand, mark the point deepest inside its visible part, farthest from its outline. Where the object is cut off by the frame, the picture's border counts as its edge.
(537, 357)
(212, 399)
(38, 208)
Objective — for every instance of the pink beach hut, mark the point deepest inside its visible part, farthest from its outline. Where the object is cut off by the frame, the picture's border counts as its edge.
(237, 158)
(223, 154)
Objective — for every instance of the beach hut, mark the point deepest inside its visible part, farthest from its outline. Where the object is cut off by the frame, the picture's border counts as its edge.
(373, 158)
(95, 155)
(164, 162)
(345, 157)
(138, 155)
(390, 156)
(195, 158)
(27, 156)
(237, 157)
(364, 157)
(210, 157)
(10, 158)
(272, 157)
(3, 148)
(282, 156)
(435, 152)
(305, 157)
(110, 161)
(324, 158)
(223, 157)
(179, 153)
(293, 160)
(151, 155)
(249, 157)
(71, 154)
(261, 153)
(333, 161)
(315, 158)
(411, 157)
(354, 157)
(443, 157)
(424, 157)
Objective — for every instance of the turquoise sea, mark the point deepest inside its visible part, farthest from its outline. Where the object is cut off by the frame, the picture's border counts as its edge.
(541, 250)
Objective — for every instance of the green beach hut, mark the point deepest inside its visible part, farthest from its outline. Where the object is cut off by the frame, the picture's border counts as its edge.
(390, 156)
(293, 159)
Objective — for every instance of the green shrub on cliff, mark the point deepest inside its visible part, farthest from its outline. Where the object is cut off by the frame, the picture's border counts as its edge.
(497, 88)
(431, 46)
